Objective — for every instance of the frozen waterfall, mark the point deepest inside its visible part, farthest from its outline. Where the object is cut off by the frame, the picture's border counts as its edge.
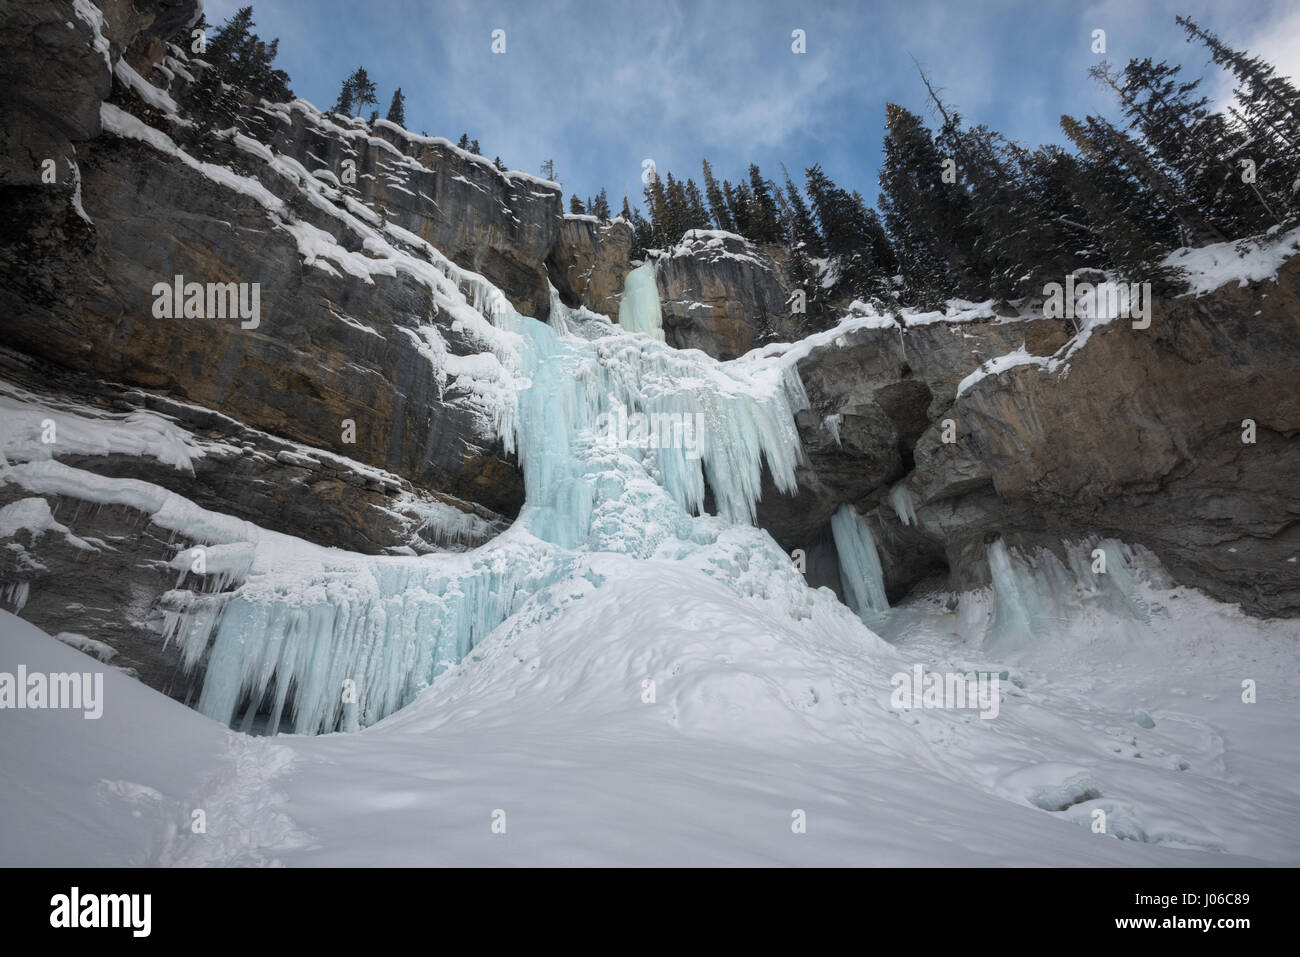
(860, 571)
(317, 639)
(639, 309)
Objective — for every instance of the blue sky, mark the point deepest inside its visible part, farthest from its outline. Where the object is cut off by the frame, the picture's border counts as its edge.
(601, 85)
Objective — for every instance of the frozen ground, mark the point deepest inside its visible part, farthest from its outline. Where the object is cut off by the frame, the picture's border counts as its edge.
(752, 720)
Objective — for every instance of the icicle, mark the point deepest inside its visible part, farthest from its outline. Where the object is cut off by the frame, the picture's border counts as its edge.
(860, 571)
(832, 423)
(901, 499)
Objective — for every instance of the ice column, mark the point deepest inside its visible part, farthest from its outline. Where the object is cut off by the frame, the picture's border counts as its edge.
(639, 310)
(860, 572)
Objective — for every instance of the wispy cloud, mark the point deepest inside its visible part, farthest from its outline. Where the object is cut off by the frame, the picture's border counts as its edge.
(600, 85)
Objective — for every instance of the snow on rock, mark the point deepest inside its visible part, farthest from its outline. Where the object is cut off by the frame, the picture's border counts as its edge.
(33, 429)
(33, 516)
(1209, 267)
(89, 646)
(90, 15)
(1000, 364)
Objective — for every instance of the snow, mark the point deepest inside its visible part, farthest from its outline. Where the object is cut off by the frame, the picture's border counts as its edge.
(33, 516)
(751, 718)
(89, 646)
(84, 430)
(1209, 267)
(90, 15)
(121, 123)
(999, 364)
(151, 94)
(77, 205)
(710, 244)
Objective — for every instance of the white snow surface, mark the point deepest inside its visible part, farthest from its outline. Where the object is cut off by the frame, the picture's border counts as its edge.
(1209, 267)
(752, 719)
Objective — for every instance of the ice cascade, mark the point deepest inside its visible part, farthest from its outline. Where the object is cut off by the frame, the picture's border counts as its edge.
(317, 639)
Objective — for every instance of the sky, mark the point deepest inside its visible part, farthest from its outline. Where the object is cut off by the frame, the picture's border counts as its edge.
(600, 86)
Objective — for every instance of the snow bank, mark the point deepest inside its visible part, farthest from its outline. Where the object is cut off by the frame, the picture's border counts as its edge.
(1209, 267)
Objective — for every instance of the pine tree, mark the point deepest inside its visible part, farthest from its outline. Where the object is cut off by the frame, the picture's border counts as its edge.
(347, 96)
(925, 216)
(852, 235)
(697, 216)
(229, 39)
(548, 170)
(600, 208)
(1194, 145)
(499, 165)
(804, 277)
(642, 231)
(802, 229)
(1269, 112)
(677, 210)
(463, 142)
(474, 148)
(763, 220)
(738, 206)
(656, 204)
(1115, 208)
(1099, 140)
(236, 61)
(363, 90)
(717, 201)
(1273, 100)
(575, 205)
(1010, 244)
(397, 109)
(626, 212)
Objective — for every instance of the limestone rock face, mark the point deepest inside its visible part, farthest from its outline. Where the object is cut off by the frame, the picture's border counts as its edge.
(720, 294)
(1141, 439)
(589, 262)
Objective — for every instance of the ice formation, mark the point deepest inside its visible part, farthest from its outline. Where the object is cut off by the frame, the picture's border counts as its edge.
(901, 499)
(323, 639)
(639, 309)
(860, 571)
(1037, 596)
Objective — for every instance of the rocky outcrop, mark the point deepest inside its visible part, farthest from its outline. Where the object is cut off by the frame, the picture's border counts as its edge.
(502, 225)
(1135, 434)
(721, 294)
(874, 387)
(590, 260)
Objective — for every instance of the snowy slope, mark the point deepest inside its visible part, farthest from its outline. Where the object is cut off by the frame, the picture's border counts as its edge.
(751, 720)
